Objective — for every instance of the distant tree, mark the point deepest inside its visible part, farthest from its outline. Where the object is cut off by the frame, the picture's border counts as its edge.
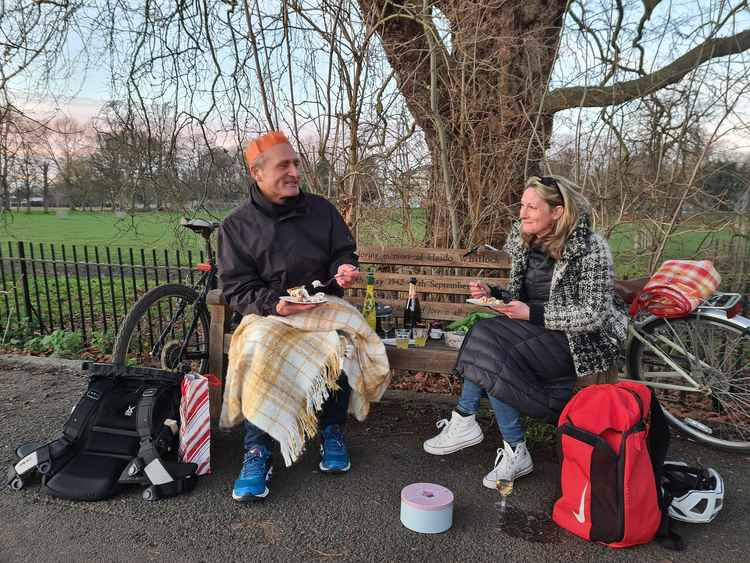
(34, 53)
(727, 181)
(213, 174)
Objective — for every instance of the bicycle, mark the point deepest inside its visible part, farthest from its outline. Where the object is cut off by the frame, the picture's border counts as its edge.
(168, 326)
(699, 367)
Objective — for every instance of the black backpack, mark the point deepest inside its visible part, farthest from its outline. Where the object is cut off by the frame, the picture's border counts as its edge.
(116, 435)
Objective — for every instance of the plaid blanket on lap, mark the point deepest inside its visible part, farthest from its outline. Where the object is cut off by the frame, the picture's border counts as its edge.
(282, 369)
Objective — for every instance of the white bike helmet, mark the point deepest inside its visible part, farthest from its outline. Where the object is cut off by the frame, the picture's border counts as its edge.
(697, 493)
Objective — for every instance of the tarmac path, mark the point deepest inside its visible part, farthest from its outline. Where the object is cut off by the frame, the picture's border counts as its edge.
(313, 517)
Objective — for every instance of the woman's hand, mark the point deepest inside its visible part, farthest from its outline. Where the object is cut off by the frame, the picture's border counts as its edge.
(514, 310)
(479, 290)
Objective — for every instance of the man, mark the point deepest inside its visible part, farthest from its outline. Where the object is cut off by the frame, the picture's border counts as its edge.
(281, 238)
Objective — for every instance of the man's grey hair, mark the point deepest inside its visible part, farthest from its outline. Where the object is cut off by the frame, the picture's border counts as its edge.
(259, 162)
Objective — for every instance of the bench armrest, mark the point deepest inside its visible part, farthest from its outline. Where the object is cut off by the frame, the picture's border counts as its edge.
(215, 297)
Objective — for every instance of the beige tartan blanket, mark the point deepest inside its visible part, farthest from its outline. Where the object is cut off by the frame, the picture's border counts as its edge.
(282, 369)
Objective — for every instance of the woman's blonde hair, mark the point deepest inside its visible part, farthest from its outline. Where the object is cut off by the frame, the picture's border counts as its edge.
(556, 190)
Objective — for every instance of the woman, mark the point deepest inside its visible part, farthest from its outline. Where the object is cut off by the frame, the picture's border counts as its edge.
(563, 323)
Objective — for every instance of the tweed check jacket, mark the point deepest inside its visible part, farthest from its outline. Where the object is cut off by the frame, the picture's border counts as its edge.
(582, 300)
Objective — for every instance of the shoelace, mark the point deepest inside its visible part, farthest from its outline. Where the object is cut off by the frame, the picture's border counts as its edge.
(447, 428)
(499, 457)
(442, 422)
(335, 439)
(253, 465)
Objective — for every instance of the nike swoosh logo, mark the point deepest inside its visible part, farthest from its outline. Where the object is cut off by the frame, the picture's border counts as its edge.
(581, 514)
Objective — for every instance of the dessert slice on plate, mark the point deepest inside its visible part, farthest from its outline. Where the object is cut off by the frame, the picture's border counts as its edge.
(300, 295)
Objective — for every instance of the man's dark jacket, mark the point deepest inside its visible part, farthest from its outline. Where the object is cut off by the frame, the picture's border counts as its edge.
(264, 249)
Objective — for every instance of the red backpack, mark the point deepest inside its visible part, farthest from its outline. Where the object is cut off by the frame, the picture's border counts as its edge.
(613, 440)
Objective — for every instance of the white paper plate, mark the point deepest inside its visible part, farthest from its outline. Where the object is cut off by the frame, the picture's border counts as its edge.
(479, 302)
(314, 300)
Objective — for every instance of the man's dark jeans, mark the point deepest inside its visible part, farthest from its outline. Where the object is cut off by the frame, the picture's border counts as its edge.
(333, 412)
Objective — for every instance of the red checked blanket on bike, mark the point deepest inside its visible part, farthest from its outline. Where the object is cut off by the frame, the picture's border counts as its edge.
(677, 288)
(281, 370)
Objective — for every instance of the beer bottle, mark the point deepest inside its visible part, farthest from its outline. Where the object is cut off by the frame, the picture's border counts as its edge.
(412, 311)
(369, 308)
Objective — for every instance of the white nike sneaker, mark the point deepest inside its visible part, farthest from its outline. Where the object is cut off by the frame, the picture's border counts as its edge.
(509, 464)
(457, 433)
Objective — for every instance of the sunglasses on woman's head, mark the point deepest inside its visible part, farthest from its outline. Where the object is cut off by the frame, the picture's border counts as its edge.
(550, 182)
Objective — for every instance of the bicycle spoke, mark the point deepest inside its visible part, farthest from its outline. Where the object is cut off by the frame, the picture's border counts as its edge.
(731, 407)
(743, 397)
(716, 355)
(167, 320)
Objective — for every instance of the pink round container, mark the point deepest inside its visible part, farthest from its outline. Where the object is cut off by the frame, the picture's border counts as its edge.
(426, 508)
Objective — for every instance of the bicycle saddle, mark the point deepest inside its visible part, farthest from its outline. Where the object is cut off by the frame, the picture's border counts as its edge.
(628, 289)
(200, 226)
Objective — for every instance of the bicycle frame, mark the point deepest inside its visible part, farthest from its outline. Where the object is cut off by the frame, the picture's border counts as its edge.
(696, 366)
(205, 283)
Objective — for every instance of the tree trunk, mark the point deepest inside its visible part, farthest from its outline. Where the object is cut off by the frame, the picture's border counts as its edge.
(350, 203)
(490, 87)
(487, 178)
(27, 185)
(45, 186)
(6, 191)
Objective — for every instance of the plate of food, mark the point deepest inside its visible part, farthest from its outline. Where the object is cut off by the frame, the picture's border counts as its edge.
(300, 296)
(486, 301)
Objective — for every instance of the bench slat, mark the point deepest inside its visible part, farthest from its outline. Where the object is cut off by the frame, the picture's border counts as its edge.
(436, 257)
(451, 285)
(431, 310)
(440, 360)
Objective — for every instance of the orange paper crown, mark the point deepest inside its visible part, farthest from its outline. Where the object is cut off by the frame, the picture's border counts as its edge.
(258, 146)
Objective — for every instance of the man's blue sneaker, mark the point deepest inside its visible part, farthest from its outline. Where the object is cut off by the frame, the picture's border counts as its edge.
(333, 455)
(256, 472)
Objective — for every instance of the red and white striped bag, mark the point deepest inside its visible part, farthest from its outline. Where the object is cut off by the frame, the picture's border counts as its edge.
(195, 418)
(677, 288)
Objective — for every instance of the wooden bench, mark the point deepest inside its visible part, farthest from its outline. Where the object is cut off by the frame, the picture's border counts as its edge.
(443, 277)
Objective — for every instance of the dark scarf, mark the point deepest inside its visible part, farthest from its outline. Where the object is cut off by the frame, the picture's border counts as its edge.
(292, 206)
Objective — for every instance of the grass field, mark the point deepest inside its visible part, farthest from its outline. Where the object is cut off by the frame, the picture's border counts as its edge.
(631, 249)
(150, 230)
(161, 230)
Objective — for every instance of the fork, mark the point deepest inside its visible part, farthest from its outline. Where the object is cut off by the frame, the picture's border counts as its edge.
(318, 285)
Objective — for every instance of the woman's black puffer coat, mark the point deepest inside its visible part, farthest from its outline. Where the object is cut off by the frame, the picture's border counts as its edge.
(522, 364)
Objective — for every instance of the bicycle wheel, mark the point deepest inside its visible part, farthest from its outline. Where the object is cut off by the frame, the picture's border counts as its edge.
(154, 330)
(715, 352)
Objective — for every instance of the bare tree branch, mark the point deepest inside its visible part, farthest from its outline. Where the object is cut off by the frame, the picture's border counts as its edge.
(586, 96)
(403, 35)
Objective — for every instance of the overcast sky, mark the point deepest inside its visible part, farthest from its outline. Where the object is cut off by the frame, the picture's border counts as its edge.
(87, 87)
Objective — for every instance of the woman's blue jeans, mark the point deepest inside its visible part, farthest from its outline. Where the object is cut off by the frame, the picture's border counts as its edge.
(508, 418)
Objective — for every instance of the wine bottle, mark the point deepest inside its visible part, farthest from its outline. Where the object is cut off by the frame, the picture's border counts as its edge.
(369, 307)
(412, 310)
